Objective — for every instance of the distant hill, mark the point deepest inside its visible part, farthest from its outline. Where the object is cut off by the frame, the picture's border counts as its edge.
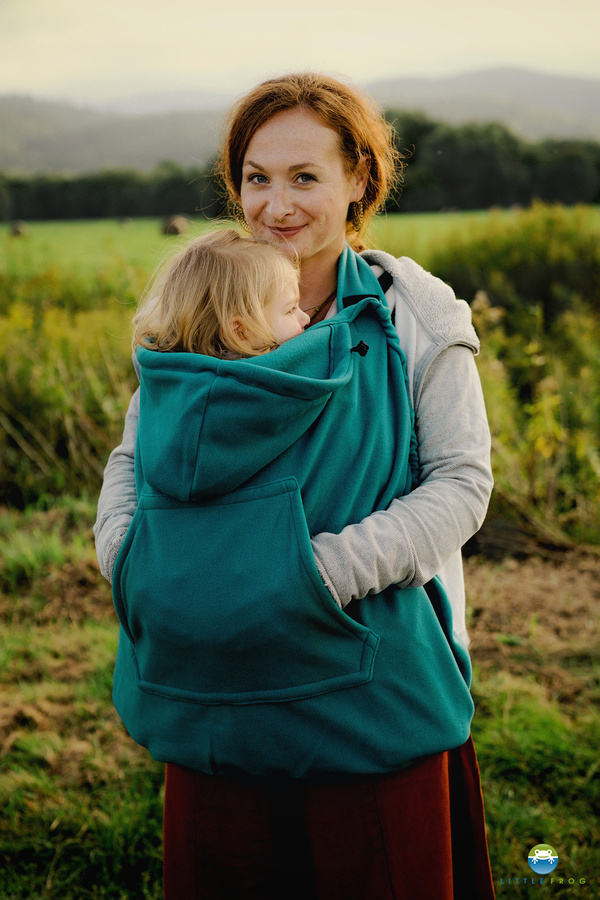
(531, 104)
(42, 136)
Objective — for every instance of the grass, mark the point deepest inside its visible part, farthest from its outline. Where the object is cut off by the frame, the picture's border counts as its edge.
(91, 247)
(421, 235)
(81, 265)
(535, 628)
(86, 246)
(418, 235)
(82, 803)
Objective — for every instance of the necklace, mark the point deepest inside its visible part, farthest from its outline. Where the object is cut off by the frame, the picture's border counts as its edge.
(319, 306)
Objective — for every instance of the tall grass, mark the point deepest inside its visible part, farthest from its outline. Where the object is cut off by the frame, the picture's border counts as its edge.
(422, 235)
(65, 381)
(82, 803)
(532, 277)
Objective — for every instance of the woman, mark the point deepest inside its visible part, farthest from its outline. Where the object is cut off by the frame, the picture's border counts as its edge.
(386, 780)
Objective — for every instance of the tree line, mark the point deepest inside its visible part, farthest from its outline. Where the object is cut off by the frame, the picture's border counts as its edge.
(477, 166)
(472, 166)
(113, 193)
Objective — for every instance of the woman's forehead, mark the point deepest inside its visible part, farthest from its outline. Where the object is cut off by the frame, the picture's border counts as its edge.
(294, 135)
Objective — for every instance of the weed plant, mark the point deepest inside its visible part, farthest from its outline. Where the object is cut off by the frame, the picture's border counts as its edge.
(534, 264)
(65, 382)
(532, 278)
(421, 235)
(67, 294)
(65, 373)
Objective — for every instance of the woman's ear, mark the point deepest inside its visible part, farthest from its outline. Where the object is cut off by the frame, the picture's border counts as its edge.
(361, 177)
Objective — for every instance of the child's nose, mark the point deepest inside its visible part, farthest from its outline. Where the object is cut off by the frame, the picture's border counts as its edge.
(303, 318)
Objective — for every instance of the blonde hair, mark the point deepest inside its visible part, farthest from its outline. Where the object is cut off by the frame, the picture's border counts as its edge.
(192, 302)
(364, 135)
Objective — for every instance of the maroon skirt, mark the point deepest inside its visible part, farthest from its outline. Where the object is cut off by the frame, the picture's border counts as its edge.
(418, 834)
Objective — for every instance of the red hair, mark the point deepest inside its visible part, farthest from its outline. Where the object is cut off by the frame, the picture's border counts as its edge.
(364, 135)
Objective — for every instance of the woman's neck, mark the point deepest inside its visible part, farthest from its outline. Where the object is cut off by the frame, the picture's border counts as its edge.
(317, 283)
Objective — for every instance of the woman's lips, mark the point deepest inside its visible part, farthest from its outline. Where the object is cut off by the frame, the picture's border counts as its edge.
(288, 231)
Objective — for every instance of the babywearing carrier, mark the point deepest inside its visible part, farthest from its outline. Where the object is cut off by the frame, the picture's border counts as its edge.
(233, 656)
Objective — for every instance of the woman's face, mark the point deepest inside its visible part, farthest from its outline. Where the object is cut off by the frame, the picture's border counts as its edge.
(295, 190)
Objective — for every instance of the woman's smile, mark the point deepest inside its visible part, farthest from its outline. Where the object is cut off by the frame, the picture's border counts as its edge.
(286, 231)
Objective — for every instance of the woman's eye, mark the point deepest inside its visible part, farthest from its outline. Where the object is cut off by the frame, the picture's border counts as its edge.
(305, 178)
(257, 178)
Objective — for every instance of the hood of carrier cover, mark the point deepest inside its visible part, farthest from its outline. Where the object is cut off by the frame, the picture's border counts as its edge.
(208, 425)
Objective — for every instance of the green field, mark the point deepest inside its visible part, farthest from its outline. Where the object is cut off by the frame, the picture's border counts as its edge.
(68, 292)
(81, 803)
(88, 247)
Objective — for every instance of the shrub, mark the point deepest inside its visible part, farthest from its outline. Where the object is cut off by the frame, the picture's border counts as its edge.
(536, 263)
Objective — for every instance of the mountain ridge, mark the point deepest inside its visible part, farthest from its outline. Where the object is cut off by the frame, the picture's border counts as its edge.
(38, 135)
(534, 105)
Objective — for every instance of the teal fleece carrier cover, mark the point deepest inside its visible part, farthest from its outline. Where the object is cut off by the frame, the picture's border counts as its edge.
(233, 656)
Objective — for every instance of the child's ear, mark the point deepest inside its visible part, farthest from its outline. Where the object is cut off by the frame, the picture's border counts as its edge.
(238, 328)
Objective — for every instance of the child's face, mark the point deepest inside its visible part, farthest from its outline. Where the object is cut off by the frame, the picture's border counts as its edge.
(284, 314)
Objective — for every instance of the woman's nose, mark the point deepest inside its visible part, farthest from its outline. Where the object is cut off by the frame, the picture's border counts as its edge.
(279, 204)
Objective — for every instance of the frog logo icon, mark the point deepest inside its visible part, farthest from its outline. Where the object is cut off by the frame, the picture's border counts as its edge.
(543, 858)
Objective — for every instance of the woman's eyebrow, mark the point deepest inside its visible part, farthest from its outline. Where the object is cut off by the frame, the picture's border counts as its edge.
(304, 165)
(295, 168)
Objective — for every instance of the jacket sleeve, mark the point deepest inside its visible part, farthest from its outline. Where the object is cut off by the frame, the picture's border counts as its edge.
(408, 543)
(118, 498)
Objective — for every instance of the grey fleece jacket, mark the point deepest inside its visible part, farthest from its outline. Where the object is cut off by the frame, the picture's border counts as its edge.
(419, 535)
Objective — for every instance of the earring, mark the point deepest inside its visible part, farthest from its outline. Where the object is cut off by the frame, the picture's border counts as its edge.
(357, 214)
(241, 218)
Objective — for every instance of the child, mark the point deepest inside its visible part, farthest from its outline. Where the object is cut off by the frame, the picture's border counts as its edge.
(223, 295)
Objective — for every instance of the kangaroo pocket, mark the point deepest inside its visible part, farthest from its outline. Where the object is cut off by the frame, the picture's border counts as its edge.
(234, 610)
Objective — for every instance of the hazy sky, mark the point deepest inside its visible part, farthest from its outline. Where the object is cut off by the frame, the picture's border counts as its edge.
(96, 50)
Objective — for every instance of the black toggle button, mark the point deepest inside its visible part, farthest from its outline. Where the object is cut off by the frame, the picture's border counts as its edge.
(361, 348)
